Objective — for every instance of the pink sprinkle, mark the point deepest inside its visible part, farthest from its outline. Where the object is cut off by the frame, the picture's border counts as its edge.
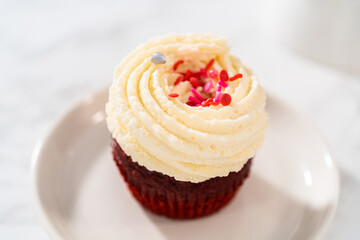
(219, 88)
(194, 99)
(223, 84)
(203, 72)
(208, 86)
(213, 73)
(193, 90)
(217, 96)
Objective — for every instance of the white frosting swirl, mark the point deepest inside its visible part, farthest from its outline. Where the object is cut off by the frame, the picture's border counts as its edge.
(165, 135)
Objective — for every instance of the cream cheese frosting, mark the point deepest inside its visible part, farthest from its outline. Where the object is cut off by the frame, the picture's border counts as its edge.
(165, 135)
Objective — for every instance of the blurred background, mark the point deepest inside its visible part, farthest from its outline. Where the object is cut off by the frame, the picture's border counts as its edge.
(54, 52)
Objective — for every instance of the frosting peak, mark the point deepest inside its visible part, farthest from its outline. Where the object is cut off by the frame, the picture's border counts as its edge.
(164, 134)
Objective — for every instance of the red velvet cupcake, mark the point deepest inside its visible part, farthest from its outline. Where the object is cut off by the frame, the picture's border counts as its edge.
(164, 195)
(186, 119)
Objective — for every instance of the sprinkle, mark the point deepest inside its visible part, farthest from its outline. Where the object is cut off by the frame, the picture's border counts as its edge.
(191, 104)
(158, 58)
(194, 99)
(178, 79)
(236, 76)
(223, 84)
(224, 75)
(187, 75)
(208, 102)
(173, 95)
(208, 66)
(217, 96)
(208, 86)
(203, 73)
(225, 99)
(193, 90)
(201, 82)
(210, 99)
(204, 104)
(196, 74)
(213, 74)
(177, 64)
(194, 82)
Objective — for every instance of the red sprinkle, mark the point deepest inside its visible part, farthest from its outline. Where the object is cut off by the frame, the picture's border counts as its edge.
(194, 82)
(205, 104)
(187, 75)
(224, 75)
(213, 74)
(225, 99)
(208, 66)
(178, 80)
(191, 104)
(196, 74)
(236, 76)
(204, 74)
(177, 64)
(209, 100)
(197, 79)
(173, 95)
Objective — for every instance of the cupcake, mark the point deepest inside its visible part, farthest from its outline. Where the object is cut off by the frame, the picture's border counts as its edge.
(186, 119)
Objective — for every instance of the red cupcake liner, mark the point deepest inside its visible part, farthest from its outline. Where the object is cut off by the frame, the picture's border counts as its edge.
(163, 195)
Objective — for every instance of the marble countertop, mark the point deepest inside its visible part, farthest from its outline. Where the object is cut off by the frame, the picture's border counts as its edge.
(52, 53)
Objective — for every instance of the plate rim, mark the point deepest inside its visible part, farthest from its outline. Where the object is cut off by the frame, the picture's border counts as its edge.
(54, 232)
(51, 230)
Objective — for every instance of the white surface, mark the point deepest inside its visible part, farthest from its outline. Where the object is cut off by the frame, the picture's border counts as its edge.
(52, 53)
(328, 31)
(291, 193)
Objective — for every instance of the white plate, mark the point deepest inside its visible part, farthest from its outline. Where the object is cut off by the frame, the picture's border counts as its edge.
(292, 191)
